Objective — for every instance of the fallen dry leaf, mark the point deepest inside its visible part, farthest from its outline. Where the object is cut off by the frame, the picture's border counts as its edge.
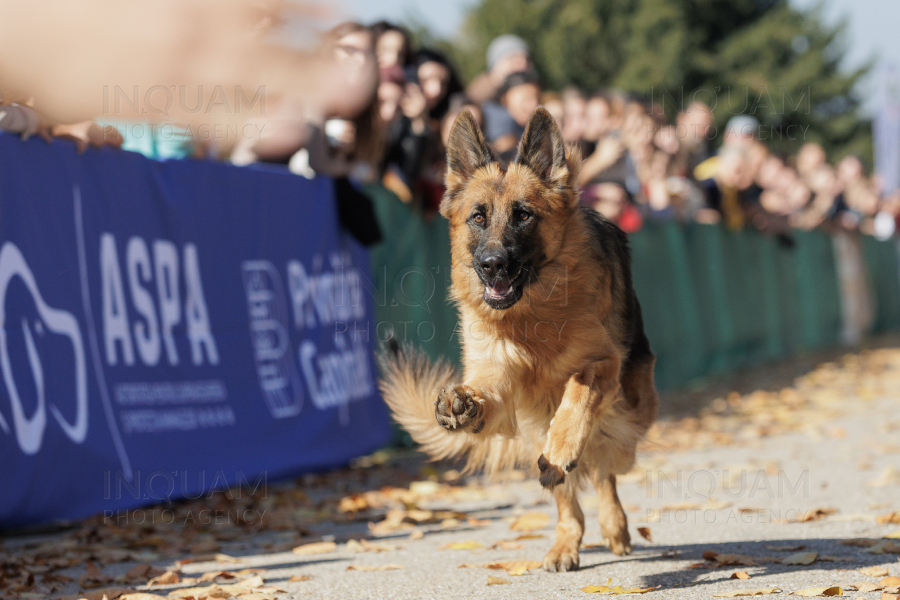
(606, 589)
(94, 577)
(860, 542)
(819, 591)
(299, 578)
(507, 545)
(243, 589)
(893, 535)
(142, 572)
(645, 533)
(889, 582)
(315, 548)
(874, 571)
(416, 534)
(213, 575)
(885, 547)
(516, 567)
(891, 517)
(800, 558)
(252, 582)
(467, 545)
(531, 521)
(814, 515)
(753, 592)
(109, 592)
(724, 560)
(367, 546)
(497, 580)
(374, 568)
(740, 575)
(889, 596)
(865, 586)
(166, 578)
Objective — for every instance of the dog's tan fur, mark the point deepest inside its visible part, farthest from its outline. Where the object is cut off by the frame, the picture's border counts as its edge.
(562, 378)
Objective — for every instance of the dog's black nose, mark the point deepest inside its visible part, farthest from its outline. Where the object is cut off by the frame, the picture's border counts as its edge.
(493, 264)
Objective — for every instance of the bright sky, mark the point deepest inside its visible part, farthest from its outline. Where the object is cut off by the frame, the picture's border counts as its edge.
(873, 27)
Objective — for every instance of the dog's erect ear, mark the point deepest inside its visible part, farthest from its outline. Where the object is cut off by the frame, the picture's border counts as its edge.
(542, 149)
(466, 153)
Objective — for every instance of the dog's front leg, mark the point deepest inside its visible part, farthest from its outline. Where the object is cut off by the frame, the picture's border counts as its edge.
(574, 419)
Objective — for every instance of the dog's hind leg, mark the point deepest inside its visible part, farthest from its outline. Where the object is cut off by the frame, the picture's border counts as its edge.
(613, 522)
(563, 556)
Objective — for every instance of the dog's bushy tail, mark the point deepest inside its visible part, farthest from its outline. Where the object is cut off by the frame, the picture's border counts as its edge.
(410, 383)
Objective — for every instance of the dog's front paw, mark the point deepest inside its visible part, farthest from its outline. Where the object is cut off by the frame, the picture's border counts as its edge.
(552, 475)
(563, 556)
(458, 407)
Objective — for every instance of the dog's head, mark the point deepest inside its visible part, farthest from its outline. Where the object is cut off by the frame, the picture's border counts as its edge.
(507, 225)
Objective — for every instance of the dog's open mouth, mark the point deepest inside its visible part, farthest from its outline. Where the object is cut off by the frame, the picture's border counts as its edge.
(502, 293)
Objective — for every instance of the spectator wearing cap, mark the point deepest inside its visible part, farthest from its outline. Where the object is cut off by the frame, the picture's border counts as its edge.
(506, 55)
(505, 119)
(742, 131)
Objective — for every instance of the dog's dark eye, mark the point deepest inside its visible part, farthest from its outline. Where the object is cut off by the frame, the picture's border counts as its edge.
(478, 218)
(522, 216)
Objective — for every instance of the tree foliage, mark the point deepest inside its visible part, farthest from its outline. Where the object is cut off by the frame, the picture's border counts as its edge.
(760, 57)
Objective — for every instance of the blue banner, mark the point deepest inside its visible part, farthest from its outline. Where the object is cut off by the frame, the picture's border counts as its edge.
(169, 328)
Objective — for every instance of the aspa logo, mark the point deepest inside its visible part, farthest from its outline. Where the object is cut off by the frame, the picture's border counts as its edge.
(30, 430)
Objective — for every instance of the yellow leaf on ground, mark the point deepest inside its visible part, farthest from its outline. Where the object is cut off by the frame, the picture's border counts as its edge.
(467, 545)
(531, 521)
(889, 582)
(753, 592)
(300, 578)
(606, 589)
(865, 586)
(109, 592)
(516, 567)
(497, 580)
(894, 535)
(819, 591)
(891, 517)
(315, 548)
(375, 568)
(645, 533)
(166, 578)
(740, 575)
(874, 571)
(800, 558)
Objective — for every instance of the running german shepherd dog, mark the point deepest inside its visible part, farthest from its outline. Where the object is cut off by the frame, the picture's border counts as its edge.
(558, 370)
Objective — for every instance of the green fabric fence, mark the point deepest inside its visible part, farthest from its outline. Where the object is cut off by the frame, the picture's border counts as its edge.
(714, 300)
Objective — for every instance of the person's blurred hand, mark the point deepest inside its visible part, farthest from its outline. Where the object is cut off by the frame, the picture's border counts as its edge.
(88, 133)
(608, 151)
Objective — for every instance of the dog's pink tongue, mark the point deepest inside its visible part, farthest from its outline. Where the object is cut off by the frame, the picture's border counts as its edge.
(498, 289)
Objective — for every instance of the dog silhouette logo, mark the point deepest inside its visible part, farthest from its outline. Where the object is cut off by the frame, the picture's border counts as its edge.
(30, 430)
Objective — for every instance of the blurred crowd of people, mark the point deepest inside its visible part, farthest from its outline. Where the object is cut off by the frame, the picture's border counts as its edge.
(638, 166)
